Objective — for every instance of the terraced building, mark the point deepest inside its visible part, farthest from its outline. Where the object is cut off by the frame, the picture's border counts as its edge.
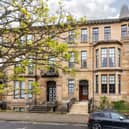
(103, 69)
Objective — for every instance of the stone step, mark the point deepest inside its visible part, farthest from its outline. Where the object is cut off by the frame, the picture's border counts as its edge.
(39, 108)
(79, 108)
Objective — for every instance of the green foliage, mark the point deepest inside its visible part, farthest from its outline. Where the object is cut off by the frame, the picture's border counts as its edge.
(31, 17)
(19, 70)
(121, 106)
(2, 74)
(71, 71)
(1, 88)
(35, 88)
(104, 103)
(83, 19)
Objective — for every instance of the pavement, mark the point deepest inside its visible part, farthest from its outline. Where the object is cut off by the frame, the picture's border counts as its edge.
(44, 117)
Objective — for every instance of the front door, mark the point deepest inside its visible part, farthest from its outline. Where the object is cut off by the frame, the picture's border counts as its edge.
(83, 90)
(51, 91)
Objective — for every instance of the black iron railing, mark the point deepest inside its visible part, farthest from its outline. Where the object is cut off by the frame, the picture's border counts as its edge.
(50, 73)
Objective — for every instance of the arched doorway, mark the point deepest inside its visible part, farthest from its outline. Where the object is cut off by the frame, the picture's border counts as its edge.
(83, 90)
(51, 91)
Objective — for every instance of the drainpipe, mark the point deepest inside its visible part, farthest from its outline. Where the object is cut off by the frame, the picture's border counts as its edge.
(93, 75)
(92, 47)
(36, 79)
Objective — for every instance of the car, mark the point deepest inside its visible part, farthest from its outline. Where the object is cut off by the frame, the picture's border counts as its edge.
(107, 119)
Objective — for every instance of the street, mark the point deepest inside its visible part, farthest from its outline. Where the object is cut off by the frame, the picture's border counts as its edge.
(34, 125)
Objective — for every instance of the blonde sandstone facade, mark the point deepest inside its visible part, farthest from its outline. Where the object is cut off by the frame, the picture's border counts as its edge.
(103, 69)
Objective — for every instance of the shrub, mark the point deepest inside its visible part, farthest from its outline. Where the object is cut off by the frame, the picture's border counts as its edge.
(104, 103)
(121, 106)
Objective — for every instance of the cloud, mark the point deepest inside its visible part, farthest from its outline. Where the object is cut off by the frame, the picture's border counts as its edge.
(92, 9)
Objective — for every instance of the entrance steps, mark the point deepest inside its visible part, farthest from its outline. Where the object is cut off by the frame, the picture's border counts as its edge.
(46, 107)
(39, 108)
(79, 108)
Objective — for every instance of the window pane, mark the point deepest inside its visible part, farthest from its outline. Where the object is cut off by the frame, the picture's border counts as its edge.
(104, 57)
(51, 62)
(23, 39)
(104, 79)
(70, 87)
(95, 34)
(123, 31)
(104, 83)
(16, 89)
(26, 38)
(30, 68)
(112, 84)
(111, 57)
(97, 84)
(119, 54)
(84, 91)
(22, 89)
(83, 59)
(30, 88)
(119, 84)
(104, 88)
(112, 79)
(83, 35)
(107, 33)
(71, 36)
(29, 37)
(97, 58)
(71, 60)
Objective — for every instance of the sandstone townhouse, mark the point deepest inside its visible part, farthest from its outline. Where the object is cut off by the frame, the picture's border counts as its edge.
(103, 68)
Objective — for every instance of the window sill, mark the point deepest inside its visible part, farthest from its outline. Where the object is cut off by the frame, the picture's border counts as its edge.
(19, 98)
(83, 67)
(84, 42)
(108, 69)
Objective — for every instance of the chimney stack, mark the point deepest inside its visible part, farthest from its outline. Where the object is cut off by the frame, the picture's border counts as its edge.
(124, 12)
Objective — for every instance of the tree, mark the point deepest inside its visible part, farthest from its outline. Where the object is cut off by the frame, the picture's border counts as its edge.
(29, 34)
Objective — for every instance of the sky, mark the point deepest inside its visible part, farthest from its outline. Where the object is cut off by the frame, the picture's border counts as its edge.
(92, 9)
